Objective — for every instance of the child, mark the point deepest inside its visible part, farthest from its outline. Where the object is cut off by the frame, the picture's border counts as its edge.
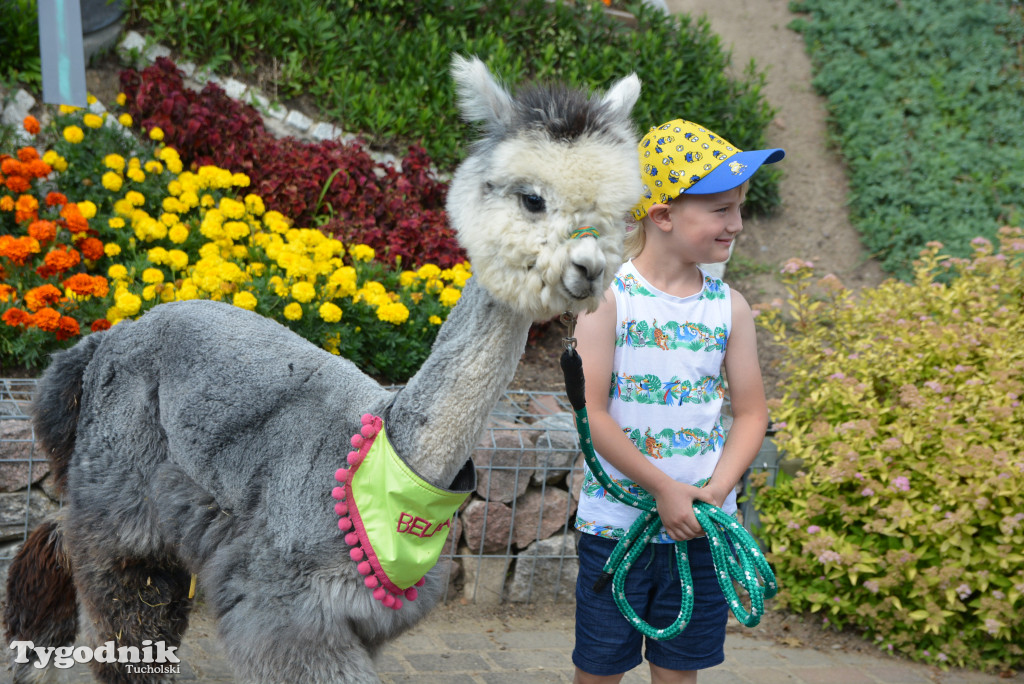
(662, 334)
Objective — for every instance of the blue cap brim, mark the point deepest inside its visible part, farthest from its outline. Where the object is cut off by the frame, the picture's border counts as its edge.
(727, 175)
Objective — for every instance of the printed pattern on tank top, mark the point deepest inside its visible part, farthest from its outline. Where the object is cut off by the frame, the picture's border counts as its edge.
(666, 390)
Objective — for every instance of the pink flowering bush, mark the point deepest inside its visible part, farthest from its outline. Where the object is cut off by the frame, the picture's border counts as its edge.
(902, 412)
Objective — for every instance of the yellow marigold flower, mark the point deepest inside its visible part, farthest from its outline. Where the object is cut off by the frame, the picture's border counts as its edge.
(128, 304)
(158, 255)
(190, 200)
(92, 120)
(172, 205)
(230, 272)
(362, 253)
(174, 189)
(275, 221)
(112, 181)
(136, 175)
(332, 342)
(256, 269)
(449, 296)
(135, 198)
(125, 120)
(254, 203)
(73, 134)
(245, 300)
(123, 207)
(240, 180)
(117, 272)
(152, 275)
(90, 99)
(111, 249)
(178, 233)
(121, 99)
(49, 157)
(156, 133)
(153, 167)
(169, 219)
(114, 315)
(393, 312)
(303, 292)
(407, 278)
(240, 252)
(177, 259)
(236, 230)
(114, 162)
(277, 285)
(134, 163)
(174, 165)
(87, 208)
(330, 312)
(115, 222)
(209, 251)
(433, 285)
(429, 272)
(293, 311)
(149, 293)
(168, 293)
(435, 320)
(68, 109)
(231, 209)
(187, 290)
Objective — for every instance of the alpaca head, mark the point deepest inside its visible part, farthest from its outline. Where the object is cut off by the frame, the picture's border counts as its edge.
(552, 160)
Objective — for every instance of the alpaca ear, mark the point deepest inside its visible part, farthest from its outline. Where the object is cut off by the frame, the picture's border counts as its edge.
(623, 94)
(480, 96)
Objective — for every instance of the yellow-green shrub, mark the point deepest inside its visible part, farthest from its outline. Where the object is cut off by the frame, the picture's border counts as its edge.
(906, 519)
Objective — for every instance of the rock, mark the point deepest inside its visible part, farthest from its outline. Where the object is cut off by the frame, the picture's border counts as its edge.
(487, 525)
(575, 480)
(557, 446)
(16, 507)
(550, 567)
(505, 463)
(22, 462)
(484, 577)
(539, 514)
(298, 121)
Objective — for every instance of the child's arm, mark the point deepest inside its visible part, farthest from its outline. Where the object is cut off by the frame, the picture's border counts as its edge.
(749, 408)
(596, 345)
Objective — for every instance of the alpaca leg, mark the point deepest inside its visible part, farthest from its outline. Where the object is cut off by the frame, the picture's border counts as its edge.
(136, 603)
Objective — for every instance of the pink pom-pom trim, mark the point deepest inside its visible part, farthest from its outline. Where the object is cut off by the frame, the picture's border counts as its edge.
(390, 596)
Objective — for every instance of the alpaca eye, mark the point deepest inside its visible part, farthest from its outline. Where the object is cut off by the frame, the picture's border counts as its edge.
(532, 203)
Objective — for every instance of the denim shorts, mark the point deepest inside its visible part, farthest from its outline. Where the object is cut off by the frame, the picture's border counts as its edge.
(606, 644)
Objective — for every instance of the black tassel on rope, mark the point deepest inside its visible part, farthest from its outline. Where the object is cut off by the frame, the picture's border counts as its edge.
(572, 370)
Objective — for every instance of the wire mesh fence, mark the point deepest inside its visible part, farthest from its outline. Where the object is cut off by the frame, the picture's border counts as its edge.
(513, 540)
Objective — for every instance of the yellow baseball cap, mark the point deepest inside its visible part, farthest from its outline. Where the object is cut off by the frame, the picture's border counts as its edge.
(683, 157)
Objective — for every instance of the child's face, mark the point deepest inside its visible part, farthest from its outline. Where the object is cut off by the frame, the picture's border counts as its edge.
(704, 226)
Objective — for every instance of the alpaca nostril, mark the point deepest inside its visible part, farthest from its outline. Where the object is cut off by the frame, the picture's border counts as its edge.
(590, 272)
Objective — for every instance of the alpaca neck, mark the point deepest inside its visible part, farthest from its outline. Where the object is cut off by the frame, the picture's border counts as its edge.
(436, 420)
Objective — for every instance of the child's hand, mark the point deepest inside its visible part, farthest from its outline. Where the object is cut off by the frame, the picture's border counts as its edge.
(675, 506)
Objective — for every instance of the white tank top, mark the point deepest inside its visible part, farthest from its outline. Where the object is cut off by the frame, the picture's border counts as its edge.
(666, 391)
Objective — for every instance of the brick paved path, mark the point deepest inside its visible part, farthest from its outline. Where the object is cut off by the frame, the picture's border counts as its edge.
(469, 645)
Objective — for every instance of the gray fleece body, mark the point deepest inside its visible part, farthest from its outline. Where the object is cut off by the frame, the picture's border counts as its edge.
(210, 435)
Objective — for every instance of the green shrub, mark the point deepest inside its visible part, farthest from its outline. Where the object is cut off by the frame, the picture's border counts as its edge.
(19, 44)
(380, 68)
(926, 101)
(902, 408)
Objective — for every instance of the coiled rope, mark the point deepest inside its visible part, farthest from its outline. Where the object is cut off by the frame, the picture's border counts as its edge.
(737, 557)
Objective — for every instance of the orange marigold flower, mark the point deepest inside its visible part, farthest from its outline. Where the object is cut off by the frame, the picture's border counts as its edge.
(46, 319)
(91, 249)
(83, 284)
(37, 168)
(44, 231)
(73, 218)
(42, 296)
(54, 199)
(26, 208)
(18, 249)
(10, 166)
(6, 203)
(67, 327)
(6, 292)
(31, 124)
(16, 317)
(57, 260)
(18, 184)
(28, 153)
(100, 324)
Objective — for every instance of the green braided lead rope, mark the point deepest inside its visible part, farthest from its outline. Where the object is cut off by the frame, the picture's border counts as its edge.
(735, 552)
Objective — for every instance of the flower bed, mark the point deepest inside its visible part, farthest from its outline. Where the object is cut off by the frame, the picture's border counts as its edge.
(101, 227)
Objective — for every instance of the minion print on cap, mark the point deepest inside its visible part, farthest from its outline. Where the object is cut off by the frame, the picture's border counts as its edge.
(683, 157)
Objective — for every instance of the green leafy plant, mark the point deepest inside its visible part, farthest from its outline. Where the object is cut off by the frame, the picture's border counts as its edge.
(19, 44)
(380, 69)
(902, 410)
(925, 100)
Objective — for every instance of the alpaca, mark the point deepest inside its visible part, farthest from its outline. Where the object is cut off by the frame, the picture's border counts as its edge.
(203, 440)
